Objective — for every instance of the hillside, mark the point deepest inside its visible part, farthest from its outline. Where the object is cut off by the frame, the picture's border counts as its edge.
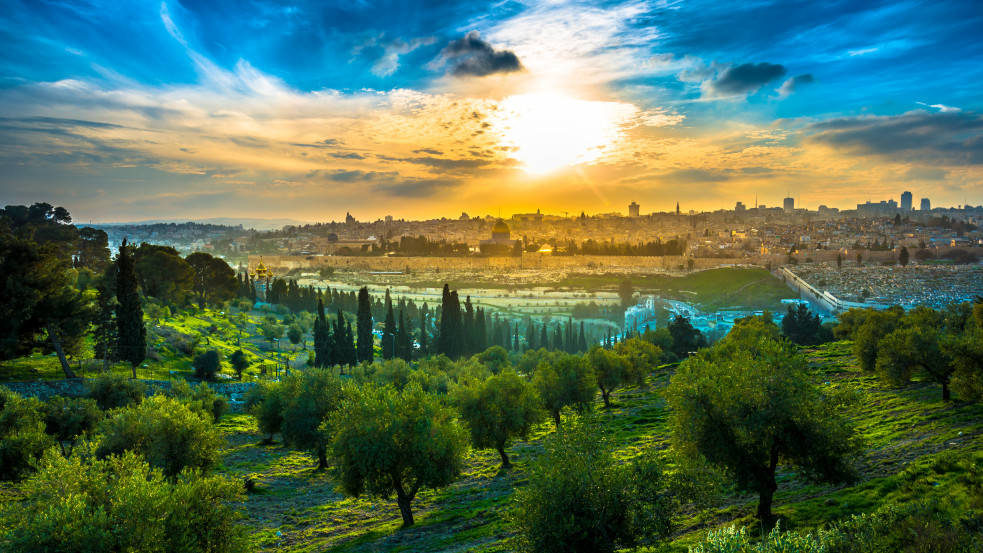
(916, 448)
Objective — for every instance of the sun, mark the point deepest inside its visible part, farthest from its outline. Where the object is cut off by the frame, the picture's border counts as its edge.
(548, 131)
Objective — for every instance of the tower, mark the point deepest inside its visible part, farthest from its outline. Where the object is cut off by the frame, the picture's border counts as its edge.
(789, 205)
(677, 208)
(926, 205)
(906, 202)
(633, 209)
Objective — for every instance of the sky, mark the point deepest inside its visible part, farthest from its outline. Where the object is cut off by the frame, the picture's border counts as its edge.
(136, 110)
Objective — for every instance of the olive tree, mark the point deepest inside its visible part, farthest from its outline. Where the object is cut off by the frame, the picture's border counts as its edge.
(497, 410)
(567, 381)
(309, 397)
(68, 419)
(169, 434)
(264, 402)
(746, 404)
(395, 443)
(611, 371)
(580, 498)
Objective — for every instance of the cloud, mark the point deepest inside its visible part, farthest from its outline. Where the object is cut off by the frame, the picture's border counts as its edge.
(388, 52)
(473, 57)
(352, 175)
(790, 86)
(418, 188)
(932, 137)
(925, 173)
(744, 79)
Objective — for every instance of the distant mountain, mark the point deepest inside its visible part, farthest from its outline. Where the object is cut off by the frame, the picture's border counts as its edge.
(258, 224)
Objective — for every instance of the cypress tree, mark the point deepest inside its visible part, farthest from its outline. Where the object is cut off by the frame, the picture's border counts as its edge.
(456, 326)
(531, 342)
(583, 338)
(132, 334)
(340, 350)
(558, 338)
(444, 339)
(389, 333)
(468, 329)
(544, 340)
(364, 324)
(515, 339)
(351, 354)
(424, 343)
(105, 332)
(404, 343)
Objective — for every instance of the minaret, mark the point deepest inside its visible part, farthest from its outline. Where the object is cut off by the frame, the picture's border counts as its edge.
(677, 208)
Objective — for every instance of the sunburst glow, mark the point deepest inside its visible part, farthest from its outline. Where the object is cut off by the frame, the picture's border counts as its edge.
(548, 131)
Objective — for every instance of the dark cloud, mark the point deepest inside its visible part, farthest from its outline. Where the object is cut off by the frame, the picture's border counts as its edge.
(328, 143)
(925, 173)
(418, 188)
(347, 155)
(439, 162)
(352, 175)
(944, 137)
(473, 57)
(694, 175)
(430, 151)
(790, 86)
(744, 79)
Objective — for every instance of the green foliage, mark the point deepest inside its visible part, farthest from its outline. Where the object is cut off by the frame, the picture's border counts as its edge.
(168, 433)
(206, 364)
(642, 356)
(876, 325)
(611, 371)
(201, 398)
(68, 419)
(163, 274)
(265, 401)
(213, 280)
(112, 391)
(22, 437)
(295, 333)
(309, 397)
(746, 404)
(734, 540)
(568, 381)
(685, 338)
(131, 342)
(966, 351)
(497, 410)
(388, 442)
(803, 327)
(580, 499)
(239, 362)
(121, 504)
(496, 358)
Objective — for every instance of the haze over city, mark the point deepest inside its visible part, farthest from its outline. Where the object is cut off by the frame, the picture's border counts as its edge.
(163, 110)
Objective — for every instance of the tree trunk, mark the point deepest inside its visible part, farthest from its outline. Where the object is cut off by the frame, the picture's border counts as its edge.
(606, 395)
(134, 372)
(505, 457)
(403, 500)
(946, 395)
(322, 458)
(61, 353)
(767, 490)
(556, 419)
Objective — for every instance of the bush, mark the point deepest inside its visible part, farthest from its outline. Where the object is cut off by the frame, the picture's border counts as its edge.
(169, 435)
(112, 391)
(579, 498)
(239, 362)
(22, 437)
(68, 419)
(207, 364)
(200, 398)
(121, 504)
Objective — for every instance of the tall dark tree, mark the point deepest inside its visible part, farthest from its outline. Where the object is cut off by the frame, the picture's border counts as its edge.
(903, 257)
(451, 326)
(544, 339)
(801, 325)
(323, 345)
(424, 339)
(364, 326)
(404, 340)
(480, 330)
(470, 340)
(626, 291)
(389, 333)
(531, 341)
(93, 249)
(515, 338)
(351, 353)
(131, 343)
(685, 338)
(214, 280)
(163, 274)
(582, 346)
(105, 331)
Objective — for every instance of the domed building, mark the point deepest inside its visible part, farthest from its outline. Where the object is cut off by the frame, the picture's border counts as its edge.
(261, 277)
(501, 242)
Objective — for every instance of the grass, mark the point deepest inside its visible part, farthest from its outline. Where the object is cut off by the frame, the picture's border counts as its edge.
(917, 447)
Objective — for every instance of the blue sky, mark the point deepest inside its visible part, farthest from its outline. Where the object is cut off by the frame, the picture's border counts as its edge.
(131, 110)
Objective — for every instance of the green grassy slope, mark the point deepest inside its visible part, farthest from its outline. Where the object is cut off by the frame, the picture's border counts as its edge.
(917, 447)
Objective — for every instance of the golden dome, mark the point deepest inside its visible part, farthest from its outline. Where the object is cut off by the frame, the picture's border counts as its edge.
(501, 228)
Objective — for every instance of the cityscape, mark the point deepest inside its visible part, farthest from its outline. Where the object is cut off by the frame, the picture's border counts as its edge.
(532, 276)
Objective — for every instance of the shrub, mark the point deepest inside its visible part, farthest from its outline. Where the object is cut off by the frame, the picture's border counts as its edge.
(121, 504)
(22, 437)
(200, 398)
(239, 362)
(112, 391)
(207, 364)
(579, 498)
(68, 419)
(169, 434)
